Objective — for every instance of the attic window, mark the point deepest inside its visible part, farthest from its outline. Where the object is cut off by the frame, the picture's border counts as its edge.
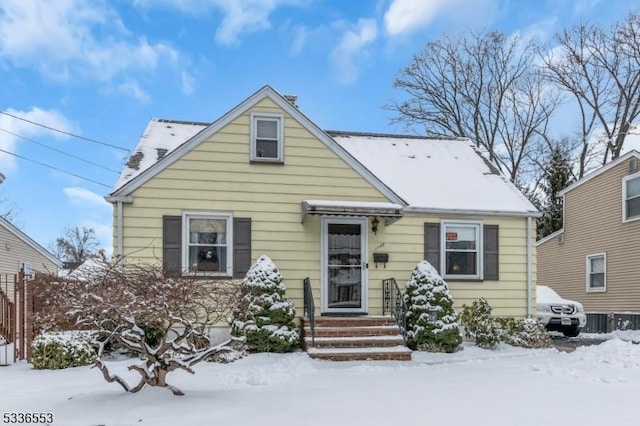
(267, 138)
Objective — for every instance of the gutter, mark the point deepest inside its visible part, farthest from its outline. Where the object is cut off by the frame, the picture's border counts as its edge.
(119, 221)
(528, 214)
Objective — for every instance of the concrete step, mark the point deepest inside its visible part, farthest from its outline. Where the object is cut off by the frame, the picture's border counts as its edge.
(395, 353)
(356, 342)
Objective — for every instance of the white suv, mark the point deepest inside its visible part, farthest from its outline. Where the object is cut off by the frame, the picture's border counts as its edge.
(558, 314)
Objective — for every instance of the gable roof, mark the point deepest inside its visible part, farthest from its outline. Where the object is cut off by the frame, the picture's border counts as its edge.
(437, 174)
(29, 241)
(421, 174)
(134, 175)
(601, 170)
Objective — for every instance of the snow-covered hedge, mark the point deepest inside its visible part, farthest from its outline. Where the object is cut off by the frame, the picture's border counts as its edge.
(488, 331)
(56, 350)
(480, 325)
(525, 333)
(3, 341)
(431, 320)
(264, 315)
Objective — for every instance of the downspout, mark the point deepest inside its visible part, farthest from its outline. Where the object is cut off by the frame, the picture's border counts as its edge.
(529, 271)
(119, 227)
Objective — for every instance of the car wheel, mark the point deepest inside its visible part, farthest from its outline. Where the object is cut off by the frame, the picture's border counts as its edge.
(571, 331)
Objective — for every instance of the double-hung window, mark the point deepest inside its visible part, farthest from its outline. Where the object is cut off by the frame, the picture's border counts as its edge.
(267, 138)
(631, 197)
(597, 272)
(462, 249)
(207, 243)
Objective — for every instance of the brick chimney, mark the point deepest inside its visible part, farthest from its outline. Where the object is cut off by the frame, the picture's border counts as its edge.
(292, 99)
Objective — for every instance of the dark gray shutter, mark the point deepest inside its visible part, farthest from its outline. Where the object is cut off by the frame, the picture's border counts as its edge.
(432, 244)
(241, 246)
(490, 248)
(172, 244)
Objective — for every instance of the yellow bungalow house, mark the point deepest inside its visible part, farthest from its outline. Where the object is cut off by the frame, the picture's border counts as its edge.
(348, 210)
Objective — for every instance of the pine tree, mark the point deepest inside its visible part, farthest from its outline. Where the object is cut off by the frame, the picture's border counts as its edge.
(557, 175)
(264, 315)
(431, 319)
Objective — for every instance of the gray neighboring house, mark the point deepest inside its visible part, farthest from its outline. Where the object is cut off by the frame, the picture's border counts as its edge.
(18, 249)
(595, 258)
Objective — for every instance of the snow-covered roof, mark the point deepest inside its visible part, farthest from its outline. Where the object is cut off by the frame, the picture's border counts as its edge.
(427, 174)
(159, 138)
(436, 174)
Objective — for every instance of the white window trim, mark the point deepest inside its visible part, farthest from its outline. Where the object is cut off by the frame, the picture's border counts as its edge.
(479, 249)
(185, 240)
(588, 273)
(624, 197)
(279, 118)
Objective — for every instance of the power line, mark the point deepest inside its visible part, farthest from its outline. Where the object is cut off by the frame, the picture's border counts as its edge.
(55, 168)
(65, 132)
(59, 151)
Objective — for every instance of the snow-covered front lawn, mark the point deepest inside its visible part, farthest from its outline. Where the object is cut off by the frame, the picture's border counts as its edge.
(593, 385)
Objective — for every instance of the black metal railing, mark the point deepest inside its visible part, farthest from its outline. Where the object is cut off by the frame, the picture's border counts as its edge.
(393, 303)
(310, 309)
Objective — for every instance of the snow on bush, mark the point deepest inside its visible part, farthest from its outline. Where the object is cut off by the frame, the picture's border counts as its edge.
(480, 325)
(57, 350)
(264, 315)
(488, 331)
(431, 319)
(3, 341)
(525, 333)
(162, 320)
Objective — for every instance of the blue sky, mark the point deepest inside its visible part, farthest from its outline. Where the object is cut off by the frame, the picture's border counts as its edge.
(102, 69)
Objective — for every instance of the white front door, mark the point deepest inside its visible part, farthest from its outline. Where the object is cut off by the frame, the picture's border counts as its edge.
(344, 265)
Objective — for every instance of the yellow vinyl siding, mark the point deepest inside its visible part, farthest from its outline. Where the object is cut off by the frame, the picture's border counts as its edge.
(217, 176)
(593, 224)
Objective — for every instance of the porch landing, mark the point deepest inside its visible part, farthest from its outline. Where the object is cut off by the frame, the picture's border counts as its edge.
(355, 338)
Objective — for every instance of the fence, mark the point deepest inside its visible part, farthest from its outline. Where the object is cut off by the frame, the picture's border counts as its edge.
(606, 323)
(16, 318)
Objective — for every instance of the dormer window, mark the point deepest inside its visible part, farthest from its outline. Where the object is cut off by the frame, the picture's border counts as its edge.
(267, 138)
(631, 197)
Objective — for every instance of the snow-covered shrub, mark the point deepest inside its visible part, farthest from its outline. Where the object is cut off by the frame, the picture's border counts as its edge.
(57, 350)
(162, 320)
(3, 341)
(264, 315)
(431, 319)
(525, 333)
(480, 325)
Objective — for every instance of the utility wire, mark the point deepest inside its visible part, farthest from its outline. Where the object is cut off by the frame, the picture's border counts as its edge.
(66, 133)
(55, 168)
(59, 151)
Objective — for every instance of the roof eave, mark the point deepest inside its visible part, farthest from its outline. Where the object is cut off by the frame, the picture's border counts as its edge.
(601, 170)
(472, 212)
(31, 242)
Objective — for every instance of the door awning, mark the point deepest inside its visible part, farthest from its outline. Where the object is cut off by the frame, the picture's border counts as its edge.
(389, 211)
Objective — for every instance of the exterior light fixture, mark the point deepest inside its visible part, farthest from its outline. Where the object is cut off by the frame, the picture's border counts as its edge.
(374, 225)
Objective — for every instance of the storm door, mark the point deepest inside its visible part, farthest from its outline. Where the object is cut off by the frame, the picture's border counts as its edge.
(344, 284)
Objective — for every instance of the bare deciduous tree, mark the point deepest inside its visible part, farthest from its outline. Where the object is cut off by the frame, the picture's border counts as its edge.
(77, 245)
(600, 68)
(481, 86)
(121, 307)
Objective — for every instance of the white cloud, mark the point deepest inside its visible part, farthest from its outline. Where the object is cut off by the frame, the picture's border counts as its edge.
(240, 17)
(132, 88)
(348, 54)
(82, 197)
(187, 83)
(406, 16)
(12, 126)
(64, 39)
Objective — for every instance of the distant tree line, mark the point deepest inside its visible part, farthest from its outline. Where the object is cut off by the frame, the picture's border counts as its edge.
(503, 92)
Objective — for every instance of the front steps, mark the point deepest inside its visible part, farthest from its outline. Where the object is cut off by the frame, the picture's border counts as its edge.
(355, 339)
